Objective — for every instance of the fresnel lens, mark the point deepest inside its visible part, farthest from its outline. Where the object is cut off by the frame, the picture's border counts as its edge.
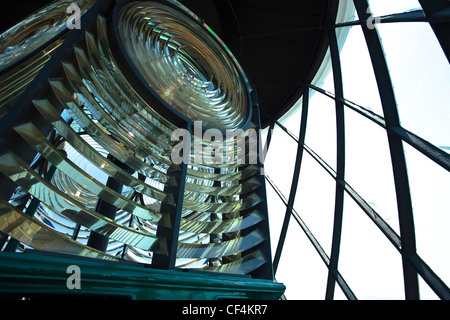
(94, 111)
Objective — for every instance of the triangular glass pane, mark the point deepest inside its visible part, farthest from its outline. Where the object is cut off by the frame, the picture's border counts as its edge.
(301, 269)
(369, 263)
(430, 184)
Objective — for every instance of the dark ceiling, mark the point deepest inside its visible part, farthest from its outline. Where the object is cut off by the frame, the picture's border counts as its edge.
(280, 44)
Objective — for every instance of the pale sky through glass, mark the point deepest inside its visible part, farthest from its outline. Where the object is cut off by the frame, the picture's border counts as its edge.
(368, 262)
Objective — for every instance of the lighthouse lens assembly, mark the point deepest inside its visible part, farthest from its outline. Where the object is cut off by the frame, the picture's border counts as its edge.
(100, 127)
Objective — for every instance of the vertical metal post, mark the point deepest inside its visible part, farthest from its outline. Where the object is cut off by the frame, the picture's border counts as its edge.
(266, 271)
(294, 184)
(96, 240)
(170, 234)
(340, 170)
(401, 181)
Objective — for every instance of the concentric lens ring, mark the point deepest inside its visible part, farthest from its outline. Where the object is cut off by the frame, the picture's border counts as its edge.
(184, 64)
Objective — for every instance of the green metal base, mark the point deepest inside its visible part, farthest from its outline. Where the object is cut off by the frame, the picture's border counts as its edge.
(40, 275)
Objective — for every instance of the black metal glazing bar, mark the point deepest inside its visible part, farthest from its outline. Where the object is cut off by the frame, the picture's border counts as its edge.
(340, 280)
(390, 111)
(431, 278)
(340, 161)
(411, 16)
(438, 14)
(434, 153)
(361, 110)
(294, 184)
